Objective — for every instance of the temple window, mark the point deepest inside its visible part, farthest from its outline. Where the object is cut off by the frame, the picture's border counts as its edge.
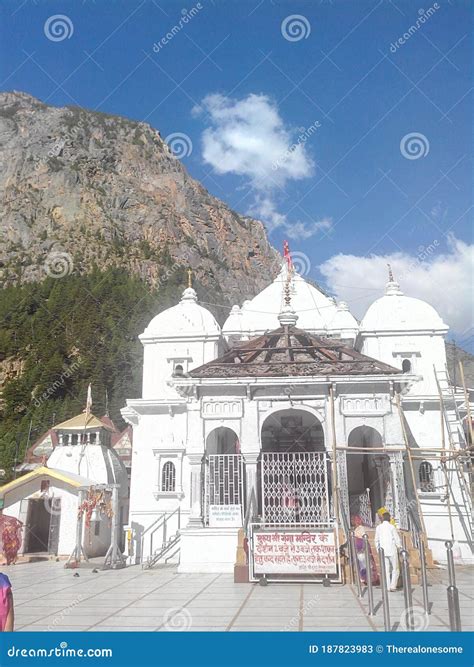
(168, 477)
(406, 365)
(178, 370)
(426, 477)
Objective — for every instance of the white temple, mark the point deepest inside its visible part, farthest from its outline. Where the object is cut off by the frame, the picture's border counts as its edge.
(293, 416)
(46, 500)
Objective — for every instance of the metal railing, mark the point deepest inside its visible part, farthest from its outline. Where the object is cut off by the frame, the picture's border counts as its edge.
(223, 481)
(161, 523)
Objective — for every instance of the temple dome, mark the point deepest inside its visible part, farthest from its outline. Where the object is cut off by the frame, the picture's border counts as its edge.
(313, 309)
(343, 321)
(187, 318)
(396, 312)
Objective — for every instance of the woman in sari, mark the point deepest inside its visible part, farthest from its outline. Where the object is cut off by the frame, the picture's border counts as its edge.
(359, 531)
(10, 537)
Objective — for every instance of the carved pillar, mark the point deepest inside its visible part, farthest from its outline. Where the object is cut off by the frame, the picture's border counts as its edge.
(343, 484)
(196, 486)
(398, 489)
(251, 476)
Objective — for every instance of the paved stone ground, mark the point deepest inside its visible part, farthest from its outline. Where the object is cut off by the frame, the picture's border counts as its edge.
(48, 597)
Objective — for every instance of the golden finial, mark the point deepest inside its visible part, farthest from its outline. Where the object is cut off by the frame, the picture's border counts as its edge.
(390, 274)
(190, 278)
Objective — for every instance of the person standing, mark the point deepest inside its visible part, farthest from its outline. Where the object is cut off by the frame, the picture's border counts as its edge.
(6, 604)
(387, 538)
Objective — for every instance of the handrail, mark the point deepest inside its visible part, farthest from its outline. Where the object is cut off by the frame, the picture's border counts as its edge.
(162, 520)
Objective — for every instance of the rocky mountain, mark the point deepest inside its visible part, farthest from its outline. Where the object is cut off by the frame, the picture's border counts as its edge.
(80, 188)
(454, 355)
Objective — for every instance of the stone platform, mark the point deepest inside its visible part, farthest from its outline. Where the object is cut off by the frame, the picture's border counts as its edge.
(48, 597)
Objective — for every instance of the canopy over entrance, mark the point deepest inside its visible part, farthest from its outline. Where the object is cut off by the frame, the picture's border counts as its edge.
(292, 430)
(291, 352)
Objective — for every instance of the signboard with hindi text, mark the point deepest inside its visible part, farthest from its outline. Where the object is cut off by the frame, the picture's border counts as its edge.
(309, 551)
(225, 516)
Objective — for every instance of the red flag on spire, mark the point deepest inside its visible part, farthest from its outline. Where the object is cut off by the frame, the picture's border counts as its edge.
(287, 254)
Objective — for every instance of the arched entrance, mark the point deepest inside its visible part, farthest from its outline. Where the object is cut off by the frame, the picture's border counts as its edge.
(368, 473)
(293, 472)
(292, 430)
(223, 479)
(222, 440)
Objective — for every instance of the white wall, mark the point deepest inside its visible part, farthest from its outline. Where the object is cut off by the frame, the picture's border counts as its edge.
(16, 504)
(424, 351)
(159, 358)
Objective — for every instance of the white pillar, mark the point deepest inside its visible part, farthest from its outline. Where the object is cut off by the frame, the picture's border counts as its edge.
(195, 515)
(251, 475)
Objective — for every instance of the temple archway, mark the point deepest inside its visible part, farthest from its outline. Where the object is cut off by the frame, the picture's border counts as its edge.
(293, 479)
(222, 440)
(292, 430)
(224, 476)
(368, 473)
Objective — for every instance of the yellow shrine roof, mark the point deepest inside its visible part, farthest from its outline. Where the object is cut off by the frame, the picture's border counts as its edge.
(42, 471)
(79, 423)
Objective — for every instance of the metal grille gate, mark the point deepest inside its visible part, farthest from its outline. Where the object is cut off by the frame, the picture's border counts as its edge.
(295, 488)
(223, 481)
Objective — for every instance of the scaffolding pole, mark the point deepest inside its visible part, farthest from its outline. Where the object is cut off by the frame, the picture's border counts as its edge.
(114, 558)
(443, 458)
(410, 462)
(78, 551)
(335, 487)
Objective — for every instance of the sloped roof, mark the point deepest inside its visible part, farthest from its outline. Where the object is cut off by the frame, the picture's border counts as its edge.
(291, 352)
(70, 478)
(79, 422)
(45, 444)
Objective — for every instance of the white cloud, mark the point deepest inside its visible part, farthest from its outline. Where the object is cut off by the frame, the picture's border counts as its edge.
(248, 138)
(304, 230)
(443, 279)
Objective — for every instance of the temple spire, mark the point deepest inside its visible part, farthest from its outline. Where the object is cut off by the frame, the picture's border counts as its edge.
(392, 288)
(287, 317)
(190, 278)
(287, 255)
(390, 274)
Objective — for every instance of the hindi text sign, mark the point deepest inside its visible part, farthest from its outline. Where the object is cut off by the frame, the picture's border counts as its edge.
(302, 552)
(225, 516)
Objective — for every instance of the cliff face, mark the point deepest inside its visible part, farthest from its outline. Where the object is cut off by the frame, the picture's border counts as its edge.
(80, 188)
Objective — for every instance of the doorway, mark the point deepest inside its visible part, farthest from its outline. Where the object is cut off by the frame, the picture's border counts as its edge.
(293, 473)
(368, 473)
(42, 525)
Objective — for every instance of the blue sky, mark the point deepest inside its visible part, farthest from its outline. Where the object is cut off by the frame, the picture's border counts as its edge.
(327, 78)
